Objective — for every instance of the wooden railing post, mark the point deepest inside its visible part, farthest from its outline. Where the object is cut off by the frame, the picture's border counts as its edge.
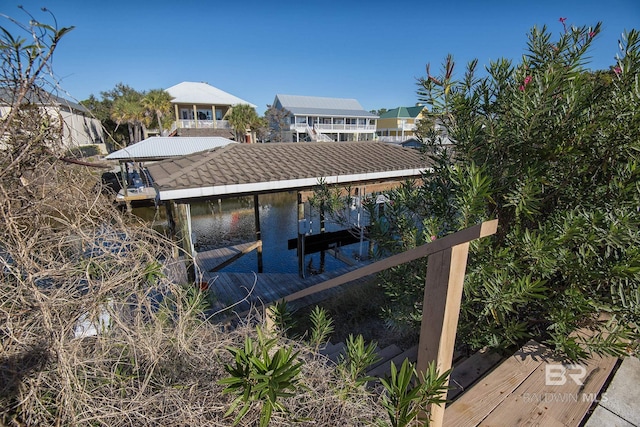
(440, 312)
(441, 309)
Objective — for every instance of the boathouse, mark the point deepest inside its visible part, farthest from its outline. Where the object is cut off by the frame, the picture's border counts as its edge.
(135, 157)
(255, 169)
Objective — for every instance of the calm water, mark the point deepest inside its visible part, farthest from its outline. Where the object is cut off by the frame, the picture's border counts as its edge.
(231, 221)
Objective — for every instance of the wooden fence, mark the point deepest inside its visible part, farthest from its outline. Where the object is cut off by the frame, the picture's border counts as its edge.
(446, 269)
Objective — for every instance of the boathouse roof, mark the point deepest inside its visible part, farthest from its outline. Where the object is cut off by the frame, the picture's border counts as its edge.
(237, 169)
(160, 147)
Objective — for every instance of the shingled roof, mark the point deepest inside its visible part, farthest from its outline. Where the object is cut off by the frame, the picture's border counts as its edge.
(254, 168)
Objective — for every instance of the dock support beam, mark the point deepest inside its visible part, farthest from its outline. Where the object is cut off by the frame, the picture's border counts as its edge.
(182, 216)
(322, 230)
(300, 237)
(256, 215)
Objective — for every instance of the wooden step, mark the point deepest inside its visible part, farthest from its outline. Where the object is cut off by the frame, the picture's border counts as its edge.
(385, 355)
(518, 392)
(384, 369)
(468, 371)
(337, 350)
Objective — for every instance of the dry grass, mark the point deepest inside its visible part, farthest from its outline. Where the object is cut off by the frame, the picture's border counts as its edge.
(66, 254)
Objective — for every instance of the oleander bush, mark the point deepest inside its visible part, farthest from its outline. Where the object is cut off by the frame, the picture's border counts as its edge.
(551, 149)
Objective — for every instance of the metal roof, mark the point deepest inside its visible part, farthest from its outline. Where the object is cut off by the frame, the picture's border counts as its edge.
(41, 97)
(202, 93)
(160, 147)
(403, 112)
(256, 168)
(320, 106)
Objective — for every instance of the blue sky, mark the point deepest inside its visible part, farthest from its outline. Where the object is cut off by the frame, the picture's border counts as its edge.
(372, 51)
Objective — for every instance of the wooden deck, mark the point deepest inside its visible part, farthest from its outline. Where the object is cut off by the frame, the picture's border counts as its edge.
(217, 259)
(147, 193)
(520, 392)
(241, 291)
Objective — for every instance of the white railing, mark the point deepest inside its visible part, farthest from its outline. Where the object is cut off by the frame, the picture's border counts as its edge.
(314, 135)
(335, 126)
(395, 138)
(204, 124)
(302, 127)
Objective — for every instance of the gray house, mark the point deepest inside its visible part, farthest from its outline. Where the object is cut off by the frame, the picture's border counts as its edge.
(311, 118)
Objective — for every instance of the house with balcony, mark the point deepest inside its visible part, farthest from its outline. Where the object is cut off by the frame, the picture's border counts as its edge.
(310, 118)
(399, 125)
(200, 110)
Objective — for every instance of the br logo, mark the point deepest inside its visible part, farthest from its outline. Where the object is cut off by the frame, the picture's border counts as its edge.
(556, 374)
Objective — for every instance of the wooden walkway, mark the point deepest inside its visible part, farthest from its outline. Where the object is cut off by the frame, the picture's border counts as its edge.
(520, 391)
(217, 259)
(241, 291)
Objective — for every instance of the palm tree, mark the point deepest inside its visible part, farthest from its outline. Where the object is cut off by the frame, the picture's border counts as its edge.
(128, 109)
(242, 117)
(158, 103)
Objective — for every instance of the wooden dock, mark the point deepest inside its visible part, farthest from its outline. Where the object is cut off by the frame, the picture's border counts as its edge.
(240, 291)
(217, 259)
(146, 193)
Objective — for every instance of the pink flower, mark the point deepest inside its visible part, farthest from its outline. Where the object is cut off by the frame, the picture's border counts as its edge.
(617, 70)
(433, 238)
(562, 20)
(527, 80)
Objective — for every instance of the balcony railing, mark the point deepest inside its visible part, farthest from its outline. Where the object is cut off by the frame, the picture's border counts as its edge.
(204, 124)
(302, 127)
(395, 138)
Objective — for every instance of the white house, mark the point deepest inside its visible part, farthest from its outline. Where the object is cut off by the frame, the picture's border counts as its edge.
(198, 105)
(313, 118)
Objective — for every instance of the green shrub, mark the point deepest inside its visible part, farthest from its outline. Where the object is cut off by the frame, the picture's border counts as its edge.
(549, 148)
(406, 400)
(259, 376)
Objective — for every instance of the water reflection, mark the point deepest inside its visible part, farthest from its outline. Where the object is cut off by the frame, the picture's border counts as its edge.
(230, 221)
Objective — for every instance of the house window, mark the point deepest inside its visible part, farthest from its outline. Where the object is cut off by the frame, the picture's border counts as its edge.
(186, 114)
(204, 114)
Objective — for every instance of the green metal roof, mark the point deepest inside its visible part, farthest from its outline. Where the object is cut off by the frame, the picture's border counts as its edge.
(403, 112)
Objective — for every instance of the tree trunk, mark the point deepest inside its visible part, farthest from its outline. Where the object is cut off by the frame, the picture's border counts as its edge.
(131, 134)
(160, 128)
